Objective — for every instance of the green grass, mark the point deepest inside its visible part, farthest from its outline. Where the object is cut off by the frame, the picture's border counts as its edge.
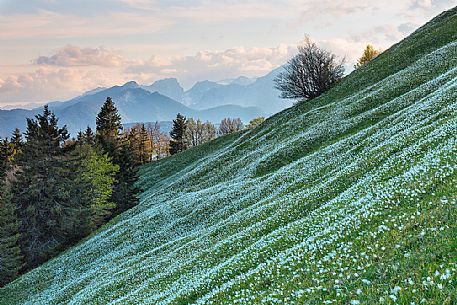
(348, 199)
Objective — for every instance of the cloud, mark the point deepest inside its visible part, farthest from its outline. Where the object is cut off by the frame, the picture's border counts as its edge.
(48, 83)
(431, 4)
(316, 9)
(52, 25)
(76, 56)
(407, 28)
(73, 70)
(215, 64)
(382, 34)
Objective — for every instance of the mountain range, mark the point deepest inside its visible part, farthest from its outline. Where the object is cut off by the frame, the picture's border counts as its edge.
(242, 97)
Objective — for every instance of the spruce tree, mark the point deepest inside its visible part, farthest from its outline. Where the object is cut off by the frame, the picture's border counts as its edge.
(44, 191)
(108, 137)
(17, 141)
(108, 126)
(80, 137)
(10, 253)
(89, 136)
(125, 194)
(177, 134)
(7, 151)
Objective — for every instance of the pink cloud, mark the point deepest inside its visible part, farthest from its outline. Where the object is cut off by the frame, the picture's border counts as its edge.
(215, 64)
(49, 83)
(75, 56)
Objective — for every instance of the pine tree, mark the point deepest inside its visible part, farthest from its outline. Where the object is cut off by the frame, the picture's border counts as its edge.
(177, 134)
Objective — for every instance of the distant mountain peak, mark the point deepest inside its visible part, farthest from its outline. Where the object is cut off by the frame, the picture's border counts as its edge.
(130, 85)
(243, 81)
(93, 91)
(240, 81)
(204, 85)
(169, 80)
(168, 87)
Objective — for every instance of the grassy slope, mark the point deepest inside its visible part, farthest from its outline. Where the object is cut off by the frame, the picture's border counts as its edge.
(349, 198)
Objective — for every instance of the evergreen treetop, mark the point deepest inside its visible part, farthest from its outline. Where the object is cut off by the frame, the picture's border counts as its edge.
(177, 134)
(108, 120)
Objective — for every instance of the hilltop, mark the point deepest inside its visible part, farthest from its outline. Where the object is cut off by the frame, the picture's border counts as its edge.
(347, 199)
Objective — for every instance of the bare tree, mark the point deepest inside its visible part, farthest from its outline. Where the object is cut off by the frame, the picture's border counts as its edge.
(198, 133)
(309, 73)
(160, 140)
(229, 125)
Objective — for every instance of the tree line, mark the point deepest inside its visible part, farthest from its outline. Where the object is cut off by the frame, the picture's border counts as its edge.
(187, 133)
(55, 190)
(149, 143)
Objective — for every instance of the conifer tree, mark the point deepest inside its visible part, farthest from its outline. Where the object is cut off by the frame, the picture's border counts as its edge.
(80, 137)
(108, 136)
(10, 253)
(108, 126)
(48, 210)
(140, 144)
(87, 137)
(177, 134)
(125, 193)
(7, 151)
(17, 141)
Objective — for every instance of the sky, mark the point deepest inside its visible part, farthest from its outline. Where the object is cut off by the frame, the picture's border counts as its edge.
(57, 49)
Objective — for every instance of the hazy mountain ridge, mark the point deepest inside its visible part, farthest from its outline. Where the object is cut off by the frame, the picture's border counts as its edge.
(257, 93)
(242, 97)
(135, 104)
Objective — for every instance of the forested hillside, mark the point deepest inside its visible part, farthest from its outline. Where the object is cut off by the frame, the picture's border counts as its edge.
(346, 199)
